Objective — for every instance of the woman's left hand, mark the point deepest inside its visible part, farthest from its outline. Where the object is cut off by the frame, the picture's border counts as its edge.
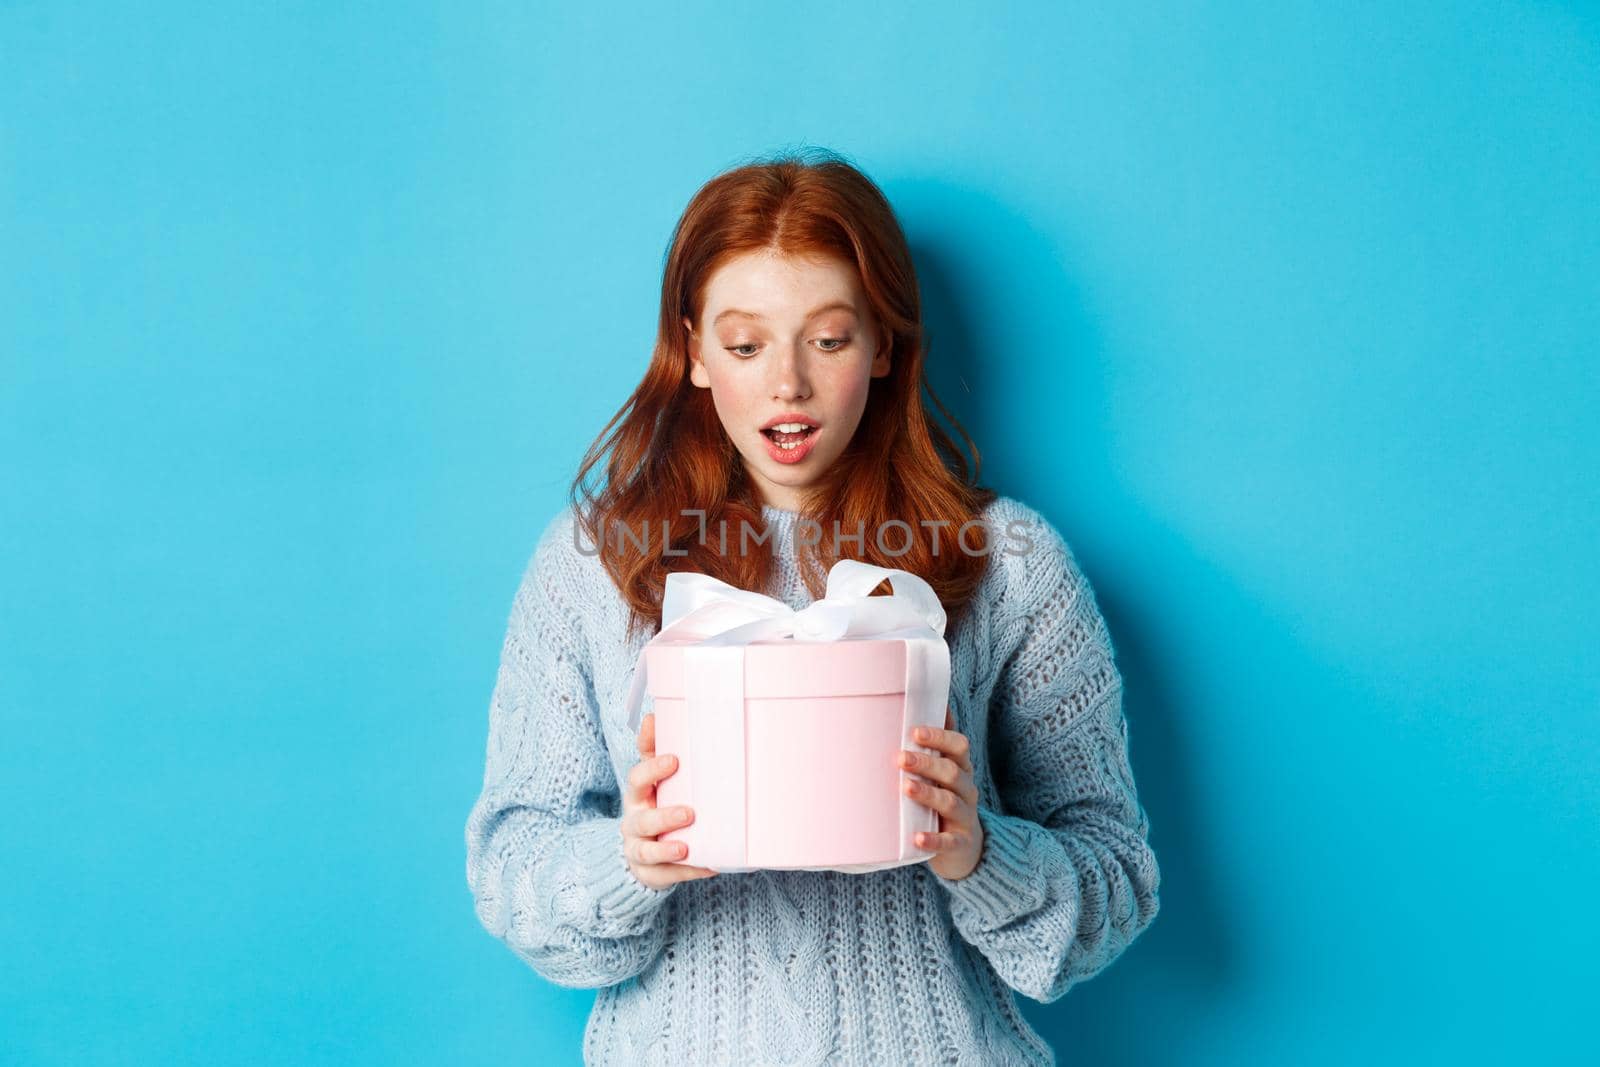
(944, 783)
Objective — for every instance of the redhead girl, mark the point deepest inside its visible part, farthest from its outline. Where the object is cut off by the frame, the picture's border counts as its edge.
(785, 399)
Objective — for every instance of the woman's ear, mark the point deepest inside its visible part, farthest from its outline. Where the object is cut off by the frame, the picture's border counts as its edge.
(880, 362)
(697, 369)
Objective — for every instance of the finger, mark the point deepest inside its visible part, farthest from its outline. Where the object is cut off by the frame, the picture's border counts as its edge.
(665, 874)
(951, 742)
(645, 851)
(648, 821)
(685, 872)
(643, 776)
(936, 768)
(654, 822)
(931, 796)
(941, 771)
(663, 851)
(647, 735)
(943, 841)
(690, 871)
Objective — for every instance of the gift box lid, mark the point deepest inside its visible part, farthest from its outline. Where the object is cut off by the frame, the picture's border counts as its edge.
(788, 668)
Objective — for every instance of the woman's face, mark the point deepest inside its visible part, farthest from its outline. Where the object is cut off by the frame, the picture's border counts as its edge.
(781, 341)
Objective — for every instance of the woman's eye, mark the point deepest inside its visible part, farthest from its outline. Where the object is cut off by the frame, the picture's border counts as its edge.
(827, 344)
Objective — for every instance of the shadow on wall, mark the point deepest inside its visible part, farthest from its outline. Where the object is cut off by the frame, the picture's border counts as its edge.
(997, 267)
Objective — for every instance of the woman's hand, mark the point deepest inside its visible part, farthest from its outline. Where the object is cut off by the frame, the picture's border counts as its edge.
(655, 863)
(948, 790)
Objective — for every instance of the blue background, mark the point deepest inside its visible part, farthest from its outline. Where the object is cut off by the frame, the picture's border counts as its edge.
(1286, 316)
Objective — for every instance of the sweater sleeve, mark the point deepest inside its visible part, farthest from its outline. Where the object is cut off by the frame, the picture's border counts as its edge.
(1067, 878)
(544, 843)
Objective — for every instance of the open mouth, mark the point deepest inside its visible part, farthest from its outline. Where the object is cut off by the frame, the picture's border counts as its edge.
(789, 439)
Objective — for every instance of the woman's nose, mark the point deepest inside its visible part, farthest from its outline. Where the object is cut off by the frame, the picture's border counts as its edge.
(790, 378)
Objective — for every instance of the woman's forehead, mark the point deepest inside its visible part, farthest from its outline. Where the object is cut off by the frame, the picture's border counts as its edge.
(770, 286)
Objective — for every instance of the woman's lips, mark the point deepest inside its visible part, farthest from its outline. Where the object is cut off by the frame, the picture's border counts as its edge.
(791, 455)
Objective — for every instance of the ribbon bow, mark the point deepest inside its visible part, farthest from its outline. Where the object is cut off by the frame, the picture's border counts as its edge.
(699, 606)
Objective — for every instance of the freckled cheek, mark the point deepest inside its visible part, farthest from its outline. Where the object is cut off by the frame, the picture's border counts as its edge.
(849, 391)
(734, 394)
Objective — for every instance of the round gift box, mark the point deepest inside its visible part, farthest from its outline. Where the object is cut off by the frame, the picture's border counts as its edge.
(820, 737)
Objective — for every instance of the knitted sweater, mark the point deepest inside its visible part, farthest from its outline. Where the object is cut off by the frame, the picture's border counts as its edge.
(896, 966)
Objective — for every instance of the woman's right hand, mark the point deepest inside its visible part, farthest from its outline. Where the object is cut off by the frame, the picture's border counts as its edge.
(655, 863)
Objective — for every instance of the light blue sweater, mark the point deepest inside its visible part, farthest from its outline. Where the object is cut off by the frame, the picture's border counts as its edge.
(898, 966)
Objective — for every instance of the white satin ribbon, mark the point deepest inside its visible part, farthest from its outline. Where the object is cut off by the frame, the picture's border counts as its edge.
(698, 605)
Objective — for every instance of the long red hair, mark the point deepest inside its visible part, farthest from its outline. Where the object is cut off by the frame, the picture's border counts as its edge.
(900, 464)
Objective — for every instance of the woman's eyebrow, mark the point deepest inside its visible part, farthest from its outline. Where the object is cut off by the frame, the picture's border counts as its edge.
(837, 305)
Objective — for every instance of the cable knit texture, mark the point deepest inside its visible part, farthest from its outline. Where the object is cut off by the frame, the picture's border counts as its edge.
(897, 966)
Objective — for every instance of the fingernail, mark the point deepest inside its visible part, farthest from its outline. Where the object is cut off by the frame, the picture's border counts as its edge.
(680, 813)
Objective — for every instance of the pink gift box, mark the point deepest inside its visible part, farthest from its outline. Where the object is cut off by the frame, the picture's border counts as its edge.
(787, 746)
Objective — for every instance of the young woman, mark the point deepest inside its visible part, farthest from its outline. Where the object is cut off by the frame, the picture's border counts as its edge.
(783, 409)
